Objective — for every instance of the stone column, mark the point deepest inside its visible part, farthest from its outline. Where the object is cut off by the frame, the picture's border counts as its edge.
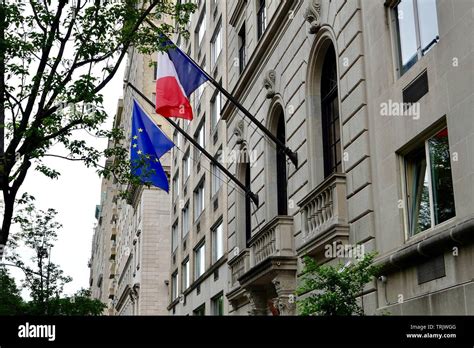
(285, 285)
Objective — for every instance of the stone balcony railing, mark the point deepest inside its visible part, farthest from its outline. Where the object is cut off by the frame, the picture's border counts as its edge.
(113, 248)
(238, 266)
(113, 232)
(112, 267)
(274, 239)
(324, 207)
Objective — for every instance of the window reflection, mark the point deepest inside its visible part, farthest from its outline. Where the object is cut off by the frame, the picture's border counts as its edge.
(428, 19)
(407, 34)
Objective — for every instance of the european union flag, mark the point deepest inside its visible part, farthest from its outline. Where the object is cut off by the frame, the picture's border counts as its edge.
(148, 145)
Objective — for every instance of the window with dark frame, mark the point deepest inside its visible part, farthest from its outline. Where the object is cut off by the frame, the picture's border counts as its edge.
(201, 30)
(417, 30)
(216, 45)
(248, 206)
(174, 286)
(216, 107)
(186, 167)
(216, 177)
(174, 237)
(242, 48)
(199, 200)
(200, 138)
(155, 72)
(175, 186)
(429, 184)
(217, 242)
(330, 116)
(200, 311)
(282, 184)
(218, 305)
(261, 18)
(186, 275)
(200, 260)
(185, 220)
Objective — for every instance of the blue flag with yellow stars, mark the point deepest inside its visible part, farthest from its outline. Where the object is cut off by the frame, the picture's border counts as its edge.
(148, 145)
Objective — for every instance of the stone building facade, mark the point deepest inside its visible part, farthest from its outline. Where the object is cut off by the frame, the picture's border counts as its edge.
(376, 99)
(198, 274)
(130, 253)
(326, 77)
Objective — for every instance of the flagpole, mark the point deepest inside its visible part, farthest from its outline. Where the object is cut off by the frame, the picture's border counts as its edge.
(246, 189)
(293, 156)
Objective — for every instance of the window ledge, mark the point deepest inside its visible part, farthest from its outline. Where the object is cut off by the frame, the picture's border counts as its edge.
(429, 244)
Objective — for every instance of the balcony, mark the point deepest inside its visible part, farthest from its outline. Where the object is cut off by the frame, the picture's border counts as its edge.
(271, 250)
(324, 215)
(274, 239)
(266, 271)
(238, 266)
(113, 233)
(112, 268)
(113, 248)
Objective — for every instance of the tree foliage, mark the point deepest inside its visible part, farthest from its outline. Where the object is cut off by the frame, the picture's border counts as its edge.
(11, 302)
(44, 279)
(333, 289)
(55, 59)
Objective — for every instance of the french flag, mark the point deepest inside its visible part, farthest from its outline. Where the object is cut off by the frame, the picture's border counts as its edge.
(177, 78)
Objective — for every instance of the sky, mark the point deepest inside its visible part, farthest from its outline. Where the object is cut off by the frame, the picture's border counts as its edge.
(74, 195)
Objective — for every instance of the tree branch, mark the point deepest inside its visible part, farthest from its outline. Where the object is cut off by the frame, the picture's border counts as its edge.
(37, 83)
(38, 21)
(59, 57)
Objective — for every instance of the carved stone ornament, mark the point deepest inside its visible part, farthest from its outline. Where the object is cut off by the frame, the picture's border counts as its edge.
(313, 16)
(258, 305)
(239, 132)
(269, 83)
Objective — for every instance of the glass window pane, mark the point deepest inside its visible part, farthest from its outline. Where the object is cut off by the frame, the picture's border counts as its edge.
(202, 29)
(202, 266)
(428, 22)
(200, 261)
(406, 34)
(443, 194)
(186, 278)
(217, 243)
(218, 305)
(418, 192)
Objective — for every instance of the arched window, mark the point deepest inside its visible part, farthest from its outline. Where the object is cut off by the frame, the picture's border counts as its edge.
(243, 205)
(282, 197)
(248, 212)
(330, 115)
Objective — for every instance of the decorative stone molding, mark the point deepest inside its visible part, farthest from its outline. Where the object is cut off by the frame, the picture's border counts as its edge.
(269, 83)
(135, 292)
(285, 285)
(313, 16)
(239, 132)
(257, 300)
